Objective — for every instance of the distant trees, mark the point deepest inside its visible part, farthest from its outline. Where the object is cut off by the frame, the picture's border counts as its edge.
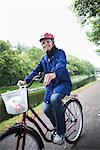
(79, 67)
(16, 63)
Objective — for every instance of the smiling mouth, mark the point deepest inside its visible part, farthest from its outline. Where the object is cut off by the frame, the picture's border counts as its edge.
(46, 47)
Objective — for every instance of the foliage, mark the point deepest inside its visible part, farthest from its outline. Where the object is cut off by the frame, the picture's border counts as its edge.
(15, 64)
(78, 67)
(4, 45)
(89, 13)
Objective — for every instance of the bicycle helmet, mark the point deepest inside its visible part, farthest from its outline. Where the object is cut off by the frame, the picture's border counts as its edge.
(47, 36)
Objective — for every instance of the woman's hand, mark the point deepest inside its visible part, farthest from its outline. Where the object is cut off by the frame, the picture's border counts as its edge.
(20, 82)
(48, 77)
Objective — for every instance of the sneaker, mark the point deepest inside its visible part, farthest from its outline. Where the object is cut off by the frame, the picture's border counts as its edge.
(58, 139)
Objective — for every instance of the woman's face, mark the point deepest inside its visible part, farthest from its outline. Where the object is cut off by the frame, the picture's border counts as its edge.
(47, 44)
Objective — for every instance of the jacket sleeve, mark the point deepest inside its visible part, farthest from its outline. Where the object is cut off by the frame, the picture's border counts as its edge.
(38, 68)
(60, 67)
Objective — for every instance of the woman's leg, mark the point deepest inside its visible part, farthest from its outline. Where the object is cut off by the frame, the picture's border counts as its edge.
(49, 113)
(58, 111)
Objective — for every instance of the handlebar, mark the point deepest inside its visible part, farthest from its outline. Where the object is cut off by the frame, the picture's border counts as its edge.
(37, 78)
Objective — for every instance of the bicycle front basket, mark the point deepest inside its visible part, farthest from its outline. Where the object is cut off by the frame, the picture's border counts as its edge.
(15, 101)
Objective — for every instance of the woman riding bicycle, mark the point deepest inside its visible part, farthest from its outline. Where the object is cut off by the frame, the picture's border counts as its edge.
(57, 83)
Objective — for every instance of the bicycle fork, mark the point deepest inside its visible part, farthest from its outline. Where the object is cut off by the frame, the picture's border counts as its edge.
(22, 133)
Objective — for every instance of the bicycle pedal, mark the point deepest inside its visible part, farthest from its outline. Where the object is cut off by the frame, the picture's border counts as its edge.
(53, 135)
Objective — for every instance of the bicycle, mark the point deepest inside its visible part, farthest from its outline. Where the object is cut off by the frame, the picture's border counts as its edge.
(23, 137)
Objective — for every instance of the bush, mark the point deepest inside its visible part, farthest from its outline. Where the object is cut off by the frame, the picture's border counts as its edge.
(78, 84)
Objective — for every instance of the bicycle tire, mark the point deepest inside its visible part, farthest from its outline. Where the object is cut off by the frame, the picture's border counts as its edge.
(72, 119)
(8, 141)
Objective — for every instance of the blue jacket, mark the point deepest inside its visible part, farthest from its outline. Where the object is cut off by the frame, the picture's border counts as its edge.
(54, 62)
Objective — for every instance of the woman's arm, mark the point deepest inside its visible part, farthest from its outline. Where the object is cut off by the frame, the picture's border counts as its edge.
(34, 72)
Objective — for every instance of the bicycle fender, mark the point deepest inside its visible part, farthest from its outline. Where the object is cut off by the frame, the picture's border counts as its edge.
(14, 126)
(35, 133)
(74, 99)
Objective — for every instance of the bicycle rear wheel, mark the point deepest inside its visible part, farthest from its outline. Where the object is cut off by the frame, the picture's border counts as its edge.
(8, 141)
(74, 120)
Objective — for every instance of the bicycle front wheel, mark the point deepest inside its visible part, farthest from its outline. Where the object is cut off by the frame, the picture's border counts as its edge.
(74, 120)
(9, 140)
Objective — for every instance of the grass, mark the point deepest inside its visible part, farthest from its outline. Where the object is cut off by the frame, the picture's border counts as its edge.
(15, 87)
(39, 109)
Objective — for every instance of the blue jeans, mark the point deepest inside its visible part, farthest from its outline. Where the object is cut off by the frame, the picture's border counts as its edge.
(55, 112)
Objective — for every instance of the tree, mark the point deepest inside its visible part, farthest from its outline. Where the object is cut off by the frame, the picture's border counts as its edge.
(4, 45)
(9, 67)
(89, 13)
(26, 65)
(75, 66)
(35, 54)
(88, 68)
(79, 67)
(94, 35)
(21, 47)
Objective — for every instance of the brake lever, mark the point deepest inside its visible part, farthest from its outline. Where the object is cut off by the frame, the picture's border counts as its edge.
(37, 79)
(41, 79)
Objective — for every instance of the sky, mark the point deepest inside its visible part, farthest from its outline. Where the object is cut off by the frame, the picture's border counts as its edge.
(25, 21)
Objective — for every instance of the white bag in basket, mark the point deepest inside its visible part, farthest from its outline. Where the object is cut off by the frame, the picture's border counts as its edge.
(16, 101)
